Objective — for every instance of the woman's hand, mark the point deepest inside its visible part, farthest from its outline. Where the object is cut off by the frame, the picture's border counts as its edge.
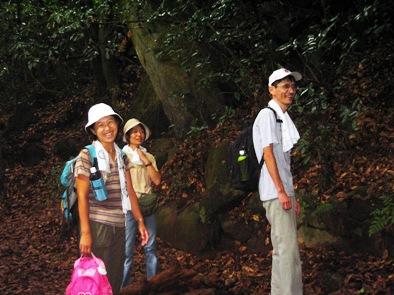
(142, 156)
(85, 244)
(143, 232)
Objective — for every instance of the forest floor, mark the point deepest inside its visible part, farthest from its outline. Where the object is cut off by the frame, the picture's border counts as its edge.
(35, 259)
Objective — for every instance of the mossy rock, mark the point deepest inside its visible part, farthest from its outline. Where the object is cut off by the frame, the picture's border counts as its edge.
(254, 205)
(184, 230)
(236, 229)
(256, 244)
(216, 171)
(218, 200)
(166, 220)
(312, 237)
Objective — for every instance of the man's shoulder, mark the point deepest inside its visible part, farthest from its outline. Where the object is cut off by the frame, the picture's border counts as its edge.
(265, 114)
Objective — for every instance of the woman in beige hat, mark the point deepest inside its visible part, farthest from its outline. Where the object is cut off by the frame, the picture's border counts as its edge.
(144, 173)
(102, 222)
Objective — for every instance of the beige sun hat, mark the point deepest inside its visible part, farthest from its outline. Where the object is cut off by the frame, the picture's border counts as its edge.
(132, 123)
(98, 111)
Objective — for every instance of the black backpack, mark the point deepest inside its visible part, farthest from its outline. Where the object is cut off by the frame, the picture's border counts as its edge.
(244, 142)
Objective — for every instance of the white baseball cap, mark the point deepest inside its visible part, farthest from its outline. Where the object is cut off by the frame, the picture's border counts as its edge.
(282, 73)
(131, 124)
(99, 111)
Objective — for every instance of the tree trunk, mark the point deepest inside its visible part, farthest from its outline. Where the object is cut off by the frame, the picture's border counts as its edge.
(184, 101)
(108, 62)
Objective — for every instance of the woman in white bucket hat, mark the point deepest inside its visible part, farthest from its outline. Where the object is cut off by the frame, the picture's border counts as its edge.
(102, 223)
(144, 174)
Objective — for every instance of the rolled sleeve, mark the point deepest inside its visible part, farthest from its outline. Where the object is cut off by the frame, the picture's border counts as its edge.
(82, 164)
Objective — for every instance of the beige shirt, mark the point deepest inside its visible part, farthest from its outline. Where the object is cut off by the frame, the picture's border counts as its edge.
(140, 177)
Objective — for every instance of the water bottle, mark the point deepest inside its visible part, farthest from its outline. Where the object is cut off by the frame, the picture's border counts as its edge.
(97, 183)
(243, 165)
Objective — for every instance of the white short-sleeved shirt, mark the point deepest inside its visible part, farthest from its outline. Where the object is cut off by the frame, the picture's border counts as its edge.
(266, 131)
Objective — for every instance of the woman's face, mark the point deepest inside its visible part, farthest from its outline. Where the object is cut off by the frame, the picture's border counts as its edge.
(136, 135)
(106, 129)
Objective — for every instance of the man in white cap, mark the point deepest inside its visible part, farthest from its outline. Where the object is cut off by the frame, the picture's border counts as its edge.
(273, 139)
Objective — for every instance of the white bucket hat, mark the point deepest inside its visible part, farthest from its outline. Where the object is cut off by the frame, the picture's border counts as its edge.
(132, 123)
(99, 111)
(282, 73)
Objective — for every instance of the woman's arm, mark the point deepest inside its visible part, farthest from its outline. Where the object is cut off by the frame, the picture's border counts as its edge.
(154, 175)
(86, 242)
(135, 208)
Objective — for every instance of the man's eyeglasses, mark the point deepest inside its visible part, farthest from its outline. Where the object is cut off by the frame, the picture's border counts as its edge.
(287, 86)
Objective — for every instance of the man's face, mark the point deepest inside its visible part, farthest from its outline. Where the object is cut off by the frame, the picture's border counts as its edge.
(284, 92)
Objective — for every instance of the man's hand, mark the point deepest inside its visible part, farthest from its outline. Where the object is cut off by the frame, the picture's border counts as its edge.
(284, 200)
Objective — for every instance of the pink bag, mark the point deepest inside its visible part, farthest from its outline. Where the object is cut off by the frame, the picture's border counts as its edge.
(89, 277)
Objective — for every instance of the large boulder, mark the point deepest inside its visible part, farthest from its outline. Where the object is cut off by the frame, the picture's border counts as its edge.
(220, 196)
(346, 222)
(216, 169)
(218, 201)
(185, 230)
(311, 237)
(239, 231)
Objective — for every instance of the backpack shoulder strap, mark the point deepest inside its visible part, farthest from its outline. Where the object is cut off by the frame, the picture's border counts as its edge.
(276, 115)
(92, 152)
(124, 156)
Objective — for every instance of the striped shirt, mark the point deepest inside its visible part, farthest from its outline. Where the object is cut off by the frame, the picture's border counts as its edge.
(109, 211)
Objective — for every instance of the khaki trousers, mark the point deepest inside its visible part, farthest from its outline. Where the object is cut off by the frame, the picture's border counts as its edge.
(286, 275)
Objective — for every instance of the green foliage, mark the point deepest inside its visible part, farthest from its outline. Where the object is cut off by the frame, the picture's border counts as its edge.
(331, 42)
(222, 40)
(382, 216)
(49, 46)
(326, 50)
(311, 206)
(203, 215)
(196, 130)
(323, 208)
(312, 104)
(228, 113)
